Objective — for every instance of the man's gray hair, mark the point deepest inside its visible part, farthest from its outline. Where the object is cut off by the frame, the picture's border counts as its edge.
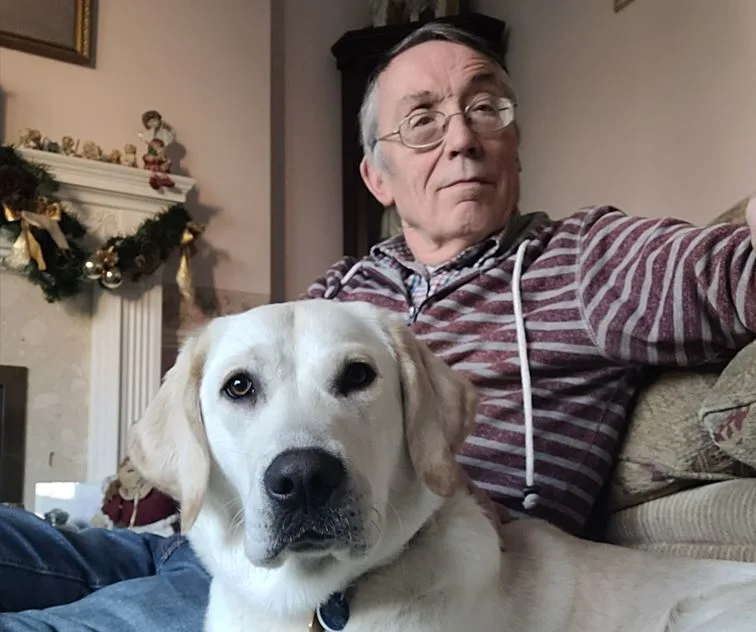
(431, 31)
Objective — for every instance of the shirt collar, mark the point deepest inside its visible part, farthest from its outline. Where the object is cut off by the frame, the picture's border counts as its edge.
(396, 249)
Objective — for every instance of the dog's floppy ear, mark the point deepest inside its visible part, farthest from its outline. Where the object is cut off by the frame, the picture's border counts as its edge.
(439, 411)
(168, 444)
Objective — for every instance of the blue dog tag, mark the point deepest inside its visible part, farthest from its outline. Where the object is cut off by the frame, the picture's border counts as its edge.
(333, 615)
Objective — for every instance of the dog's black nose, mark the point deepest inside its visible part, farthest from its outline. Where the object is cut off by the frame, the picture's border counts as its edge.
(304, 479)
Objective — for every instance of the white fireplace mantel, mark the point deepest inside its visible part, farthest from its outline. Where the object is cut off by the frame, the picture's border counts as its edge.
(126, 330)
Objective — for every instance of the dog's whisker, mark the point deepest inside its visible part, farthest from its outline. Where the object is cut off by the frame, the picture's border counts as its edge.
(396, 513)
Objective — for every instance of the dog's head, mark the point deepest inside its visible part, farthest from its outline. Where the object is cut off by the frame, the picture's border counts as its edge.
(321, 432)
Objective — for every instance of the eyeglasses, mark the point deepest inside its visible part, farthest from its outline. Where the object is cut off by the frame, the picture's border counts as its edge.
(426, 129)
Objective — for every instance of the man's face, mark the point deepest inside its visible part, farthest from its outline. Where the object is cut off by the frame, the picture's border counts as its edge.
(459, 192)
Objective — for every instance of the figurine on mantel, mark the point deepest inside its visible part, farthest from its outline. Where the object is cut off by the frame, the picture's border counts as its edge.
(158, 135)
(91, 150)
(155, 127)
(30, 138)
(159, 164)
(68, 147)
(129, 157)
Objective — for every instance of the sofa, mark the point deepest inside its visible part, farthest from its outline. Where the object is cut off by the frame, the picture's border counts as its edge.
(685, 478)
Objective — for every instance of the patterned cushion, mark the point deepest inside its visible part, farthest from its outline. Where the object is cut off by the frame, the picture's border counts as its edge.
(667, 448)
(729, 410)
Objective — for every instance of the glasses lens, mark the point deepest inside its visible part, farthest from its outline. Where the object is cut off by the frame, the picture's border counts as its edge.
(422, 128)
(490, 115)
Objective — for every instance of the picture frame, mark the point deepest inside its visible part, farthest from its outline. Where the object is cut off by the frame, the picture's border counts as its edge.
(57, 29)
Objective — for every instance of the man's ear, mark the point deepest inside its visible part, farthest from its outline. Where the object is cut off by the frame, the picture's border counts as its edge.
(168, 444)
(376, 181)
(439, 411)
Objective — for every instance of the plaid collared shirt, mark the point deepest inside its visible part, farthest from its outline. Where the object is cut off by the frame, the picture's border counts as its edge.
(424, 281)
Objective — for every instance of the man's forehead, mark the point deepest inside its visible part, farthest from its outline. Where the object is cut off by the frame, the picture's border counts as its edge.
(425, 69)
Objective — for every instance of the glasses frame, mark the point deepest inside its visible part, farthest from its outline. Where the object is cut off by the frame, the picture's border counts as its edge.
(505, 104)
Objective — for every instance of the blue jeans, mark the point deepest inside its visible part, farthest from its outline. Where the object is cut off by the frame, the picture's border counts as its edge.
(96, 580)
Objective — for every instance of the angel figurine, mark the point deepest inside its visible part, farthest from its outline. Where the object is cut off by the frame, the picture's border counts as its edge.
(155, 127)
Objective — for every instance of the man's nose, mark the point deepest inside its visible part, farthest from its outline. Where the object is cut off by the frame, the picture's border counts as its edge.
(460, 138)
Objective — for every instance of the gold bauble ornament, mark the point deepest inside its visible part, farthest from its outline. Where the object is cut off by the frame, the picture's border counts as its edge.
(92, 269)
(112, 278)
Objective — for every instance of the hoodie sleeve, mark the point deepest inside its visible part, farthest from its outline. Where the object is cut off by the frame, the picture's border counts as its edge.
(665, 292)
(330, 280)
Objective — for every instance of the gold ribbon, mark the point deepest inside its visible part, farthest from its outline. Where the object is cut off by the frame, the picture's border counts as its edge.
(26, 246)
(187, 249)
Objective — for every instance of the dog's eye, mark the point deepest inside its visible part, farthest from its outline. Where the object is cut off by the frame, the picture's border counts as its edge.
(355, 377)
(238, 386)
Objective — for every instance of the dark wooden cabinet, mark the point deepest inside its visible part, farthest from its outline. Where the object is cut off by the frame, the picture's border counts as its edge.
(357, 53)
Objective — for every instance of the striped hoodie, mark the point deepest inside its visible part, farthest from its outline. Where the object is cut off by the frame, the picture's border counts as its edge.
(602, 295)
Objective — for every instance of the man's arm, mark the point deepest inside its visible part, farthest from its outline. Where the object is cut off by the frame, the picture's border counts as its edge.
(664, 292)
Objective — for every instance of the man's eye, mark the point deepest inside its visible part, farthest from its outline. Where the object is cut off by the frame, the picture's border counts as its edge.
(421, 119)
(486, 106)
(239, 386)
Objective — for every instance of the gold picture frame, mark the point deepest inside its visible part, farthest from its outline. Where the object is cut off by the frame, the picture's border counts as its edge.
(58, 29)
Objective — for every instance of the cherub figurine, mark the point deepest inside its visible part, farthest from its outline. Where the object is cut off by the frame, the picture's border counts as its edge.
(67, 146)
(30, 138)
(155, 127)
(91, 150)
(158, 163)
(129, 157)
(113, 157)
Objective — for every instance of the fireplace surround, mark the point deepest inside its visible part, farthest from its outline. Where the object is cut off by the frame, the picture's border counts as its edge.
(124, 328)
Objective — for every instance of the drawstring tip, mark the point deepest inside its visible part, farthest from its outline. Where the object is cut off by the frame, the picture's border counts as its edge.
(530, 497)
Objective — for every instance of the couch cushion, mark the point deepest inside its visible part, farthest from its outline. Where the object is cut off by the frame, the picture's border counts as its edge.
(667, 448)
(728, 411)
(711, 521)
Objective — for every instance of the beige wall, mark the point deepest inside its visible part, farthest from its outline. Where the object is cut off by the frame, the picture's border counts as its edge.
(208, 71)
(312, 135)
(651, 109)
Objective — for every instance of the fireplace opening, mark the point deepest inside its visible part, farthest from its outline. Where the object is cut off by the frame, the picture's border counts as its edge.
(13, 390)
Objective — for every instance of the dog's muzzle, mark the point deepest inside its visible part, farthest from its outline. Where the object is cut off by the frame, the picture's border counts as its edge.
(311, 508)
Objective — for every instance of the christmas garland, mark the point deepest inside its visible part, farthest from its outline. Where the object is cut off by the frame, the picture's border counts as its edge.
(48, 242)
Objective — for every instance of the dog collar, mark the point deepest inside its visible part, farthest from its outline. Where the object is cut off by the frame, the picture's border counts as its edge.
(332, 615)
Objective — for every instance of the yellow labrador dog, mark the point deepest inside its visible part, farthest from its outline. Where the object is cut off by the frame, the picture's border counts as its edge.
(311, 445)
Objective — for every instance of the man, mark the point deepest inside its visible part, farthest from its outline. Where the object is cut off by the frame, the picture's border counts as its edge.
(552, 321)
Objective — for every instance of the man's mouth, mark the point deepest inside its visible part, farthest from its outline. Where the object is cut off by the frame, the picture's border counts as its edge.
(466, 181)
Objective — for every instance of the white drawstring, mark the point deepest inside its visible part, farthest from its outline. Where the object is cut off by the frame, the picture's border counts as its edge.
(334, 289)
(530, 493)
